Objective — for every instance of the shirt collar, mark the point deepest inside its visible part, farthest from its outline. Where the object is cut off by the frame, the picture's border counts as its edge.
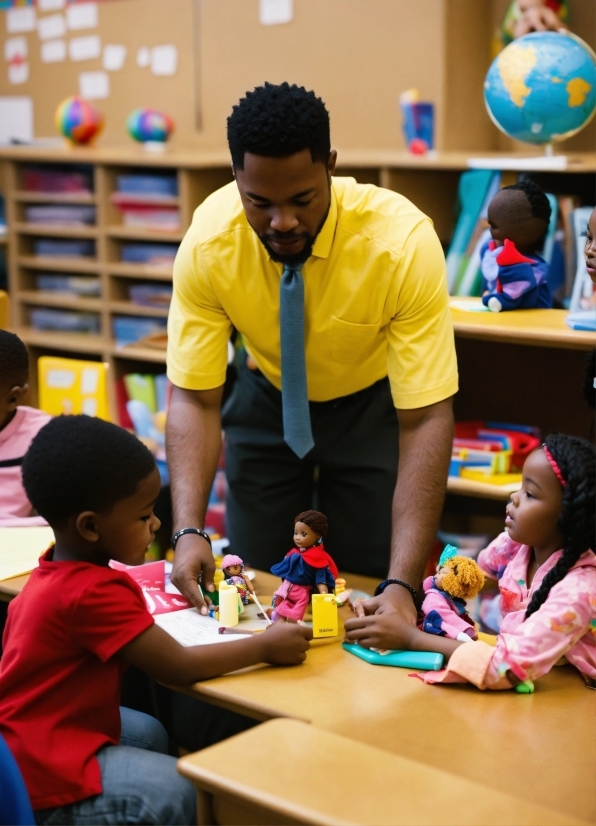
(322, 246)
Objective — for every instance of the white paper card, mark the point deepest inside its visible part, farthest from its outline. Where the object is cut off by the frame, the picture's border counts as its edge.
(82, 16)
(188, 627)
(84, 48)
(15, 47)
(114, 57)
(49, 28)
(275, 12)
(16, 118)
(50, 5)
(18, 72)
(20, 20)
(164, 60)
(89, 380)
(89, 407)
(53, 51)
(20, 549)
(61, 379)
(94, 85)
(143, 57)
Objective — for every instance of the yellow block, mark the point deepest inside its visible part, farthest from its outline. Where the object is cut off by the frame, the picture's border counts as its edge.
(492, 478)
(70, 386)
(325, 621)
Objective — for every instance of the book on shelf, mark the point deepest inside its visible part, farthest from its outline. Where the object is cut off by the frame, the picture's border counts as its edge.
(147, 184)
(68, 181)
(62, 248)
(151, 295)
(131, 329)
(66, 321)
(155, 254)
(141, 388)
(76, 285)
(70, 215)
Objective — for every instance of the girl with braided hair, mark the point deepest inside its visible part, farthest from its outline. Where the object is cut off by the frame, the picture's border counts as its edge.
(547, 578)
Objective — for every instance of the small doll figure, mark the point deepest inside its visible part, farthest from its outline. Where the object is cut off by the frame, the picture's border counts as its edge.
(516, 276)
(233, 569)
(306, 567)
(458, 579)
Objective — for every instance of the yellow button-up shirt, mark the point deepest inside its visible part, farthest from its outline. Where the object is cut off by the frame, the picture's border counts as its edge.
(375, 295)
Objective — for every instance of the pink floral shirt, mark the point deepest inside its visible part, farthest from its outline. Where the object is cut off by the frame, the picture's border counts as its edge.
(564, 625)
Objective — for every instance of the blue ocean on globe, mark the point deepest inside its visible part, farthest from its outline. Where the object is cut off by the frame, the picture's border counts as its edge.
(542, 87)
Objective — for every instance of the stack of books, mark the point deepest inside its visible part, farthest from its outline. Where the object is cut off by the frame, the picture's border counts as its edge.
(71, 180)
(63, 248)
(152, 254)
(75, 285)
(69, 215)
(491, 452)
(148, 201)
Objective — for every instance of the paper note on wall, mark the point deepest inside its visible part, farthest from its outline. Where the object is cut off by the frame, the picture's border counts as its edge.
(143, 57)
(84, 48)
(275, 12)
(53, 51)
(82, 16)
(18, 72)
(50, 5)
(164, 60)
(49, 28)
(94, 85)
(114, 57)
(15, 47)
(20, 20)
(16, 119)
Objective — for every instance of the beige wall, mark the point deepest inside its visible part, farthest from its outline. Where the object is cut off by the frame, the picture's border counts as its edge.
(357, 54)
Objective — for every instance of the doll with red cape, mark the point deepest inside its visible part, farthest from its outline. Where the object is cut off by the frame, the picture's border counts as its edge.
(305, 568)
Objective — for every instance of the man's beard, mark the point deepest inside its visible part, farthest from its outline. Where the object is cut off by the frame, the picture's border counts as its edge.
(298, 258)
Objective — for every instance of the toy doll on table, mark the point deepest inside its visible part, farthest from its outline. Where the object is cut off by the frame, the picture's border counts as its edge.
(515, 275)
(233, 571)
(444, 608)
(306, 567)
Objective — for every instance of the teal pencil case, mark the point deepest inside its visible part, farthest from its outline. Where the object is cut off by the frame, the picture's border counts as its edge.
(422, 660)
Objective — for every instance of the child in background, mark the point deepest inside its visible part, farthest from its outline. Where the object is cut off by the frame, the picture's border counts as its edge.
(78, 624)
(515, 274)
(18, 425)
(547, 578)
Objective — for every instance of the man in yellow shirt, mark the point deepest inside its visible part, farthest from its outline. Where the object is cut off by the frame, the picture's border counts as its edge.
(339, 292)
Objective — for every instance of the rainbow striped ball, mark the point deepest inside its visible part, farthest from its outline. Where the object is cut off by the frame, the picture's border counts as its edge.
(78, 120)
(149, 125)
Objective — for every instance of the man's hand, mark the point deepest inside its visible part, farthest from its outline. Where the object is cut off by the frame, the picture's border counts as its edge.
(395, 599)
(193, 559)
(381, 630)
(285, 643)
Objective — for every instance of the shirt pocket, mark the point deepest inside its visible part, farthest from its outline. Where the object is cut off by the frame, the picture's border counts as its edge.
(352, 342)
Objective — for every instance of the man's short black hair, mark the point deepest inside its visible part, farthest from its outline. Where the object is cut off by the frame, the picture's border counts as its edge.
(539, 203)
(277, 121)
(79, 463)
(14, 360)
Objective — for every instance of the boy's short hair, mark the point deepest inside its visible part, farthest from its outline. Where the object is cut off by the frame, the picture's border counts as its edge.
(275, 121)
(79, 463)
(539, 203)
(14, 360)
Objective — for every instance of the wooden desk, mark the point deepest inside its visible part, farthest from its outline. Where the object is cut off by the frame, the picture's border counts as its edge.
(10, 588)
(287, 772)
(539, 747)
(540, 328)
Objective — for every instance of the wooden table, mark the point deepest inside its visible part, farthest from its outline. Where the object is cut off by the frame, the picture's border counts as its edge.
(539, 747)
(10, 588)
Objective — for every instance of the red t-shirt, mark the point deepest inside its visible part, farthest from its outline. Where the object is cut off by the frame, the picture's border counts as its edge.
(59, 679)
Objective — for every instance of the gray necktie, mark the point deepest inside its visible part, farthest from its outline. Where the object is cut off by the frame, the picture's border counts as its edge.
(294, 393)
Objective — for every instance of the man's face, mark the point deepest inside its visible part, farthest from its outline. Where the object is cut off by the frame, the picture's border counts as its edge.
(286, 201)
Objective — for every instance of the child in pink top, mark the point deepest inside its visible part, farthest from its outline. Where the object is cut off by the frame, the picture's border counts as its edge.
(18, 426)
(547, 578)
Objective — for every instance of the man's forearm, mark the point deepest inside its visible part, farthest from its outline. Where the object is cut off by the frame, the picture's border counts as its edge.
(193, 448)
(424, 452)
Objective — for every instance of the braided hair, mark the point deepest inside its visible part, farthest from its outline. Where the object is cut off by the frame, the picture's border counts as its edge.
(539, 203)
(576, 459)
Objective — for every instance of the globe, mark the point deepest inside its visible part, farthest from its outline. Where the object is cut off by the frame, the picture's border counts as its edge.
(542, 87)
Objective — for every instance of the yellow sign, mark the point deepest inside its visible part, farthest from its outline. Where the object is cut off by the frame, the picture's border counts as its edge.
(325, 621)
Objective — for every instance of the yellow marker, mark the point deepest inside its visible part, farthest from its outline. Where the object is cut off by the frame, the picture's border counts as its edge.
(325, 621)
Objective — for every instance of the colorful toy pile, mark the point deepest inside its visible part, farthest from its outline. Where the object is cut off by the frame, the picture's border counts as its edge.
(78, 120)
(491, 452)
(149, 125)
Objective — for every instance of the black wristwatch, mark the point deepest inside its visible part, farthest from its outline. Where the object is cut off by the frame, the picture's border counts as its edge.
(198, 531)
(381, 587)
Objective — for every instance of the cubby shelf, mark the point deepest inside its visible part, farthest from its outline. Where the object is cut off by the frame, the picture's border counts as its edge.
(492, 349)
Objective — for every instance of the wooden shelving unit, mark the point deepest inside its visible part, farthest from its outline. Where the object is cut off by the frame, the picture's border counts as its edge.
(431, 182)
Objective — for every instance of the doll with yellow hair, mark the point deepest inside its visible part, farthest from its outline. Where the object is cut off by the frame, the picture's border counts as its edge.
(458, 578)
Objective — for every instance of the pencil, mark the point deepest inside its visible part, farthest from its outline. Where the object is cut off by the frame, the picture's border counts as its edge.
(225, 630)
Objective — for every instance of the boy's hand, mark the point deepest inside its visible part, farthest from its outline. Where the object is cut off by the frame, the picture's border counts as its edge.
(382, 630)
(285, 643)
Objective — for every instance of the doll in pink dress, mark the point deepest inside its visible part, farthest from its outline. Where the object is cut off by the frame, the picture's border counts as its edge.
(458, 579)
(233, 570)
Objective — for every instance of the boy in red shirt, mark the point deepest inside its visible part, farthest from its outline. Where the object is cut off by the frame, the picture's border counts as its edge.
(78, 623)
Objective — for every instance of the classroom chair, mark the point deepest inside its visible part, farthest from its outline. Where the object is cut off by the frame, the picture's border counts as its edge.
(289, 772)
(15, 809)
(71, 386)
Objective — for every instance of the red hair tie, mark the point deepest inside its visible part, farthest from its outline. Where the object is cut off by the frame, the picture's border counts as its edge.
(552, 462)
